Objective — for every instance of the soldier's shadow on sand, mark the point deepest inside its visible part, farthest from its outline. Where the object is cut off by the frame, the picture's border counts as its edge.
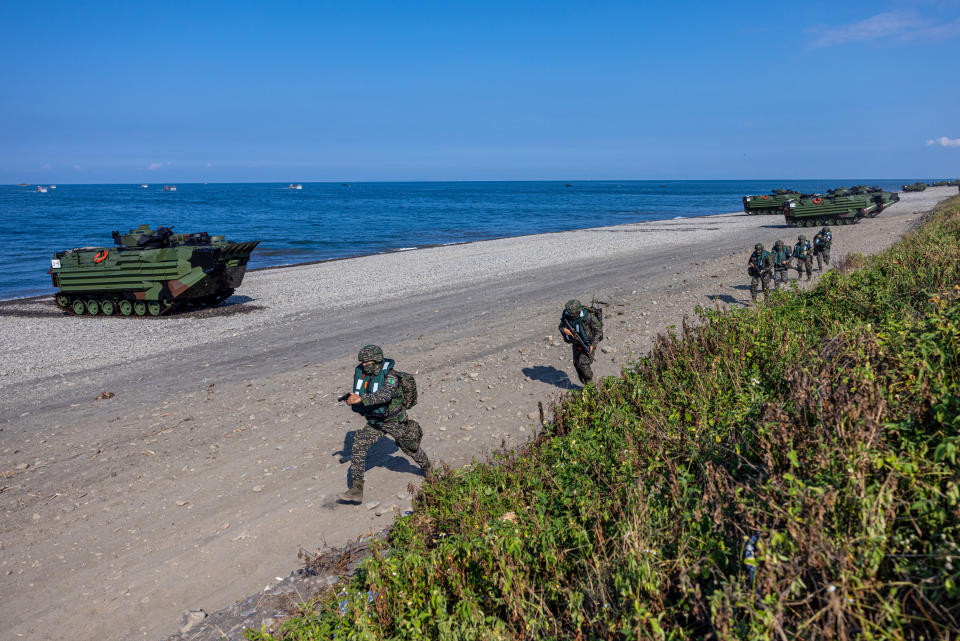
(382, 454)
(549, 374)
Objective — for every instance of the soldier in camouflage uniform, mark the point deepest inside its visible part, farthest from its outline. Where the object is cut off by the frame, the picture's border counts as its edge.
(760, 270)
(821, 247)
(580, 328)
(803, 252)
(781, 263)
(377, 397)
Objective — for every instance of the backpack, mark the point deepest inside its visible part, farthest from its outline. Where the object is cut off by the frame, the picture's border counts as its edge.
(408, 388)
(598, 314)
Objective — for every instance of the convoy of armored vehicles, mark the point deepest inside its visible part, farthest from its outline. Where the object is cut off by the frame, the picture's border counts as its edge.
(149, 272)
(915, 187)
(840, 206)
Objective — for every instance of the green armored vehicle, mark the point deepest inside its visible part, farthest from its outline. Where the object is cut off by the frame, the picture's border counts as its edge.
(768, 203)
(883, 198)
(818, 211)
(149, 272)
(915, 187)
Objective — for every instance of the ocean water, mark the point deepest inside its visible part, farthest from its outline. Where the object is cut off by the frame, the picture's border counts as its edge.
(334, 220)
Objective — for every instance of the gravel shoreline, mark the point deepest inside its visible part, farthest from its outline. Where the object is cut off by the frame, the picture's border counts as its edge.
(30, 327)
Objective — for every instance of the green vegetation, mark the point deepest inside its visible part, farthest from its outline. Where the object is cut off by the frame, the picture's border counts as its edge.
(826, 421)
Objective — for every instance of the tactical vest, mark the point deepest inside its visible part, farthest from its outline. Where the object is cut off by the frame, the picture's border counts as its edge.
(780, 258)
(578, 325)
(760, 262)
(802, 249)
(370, 384)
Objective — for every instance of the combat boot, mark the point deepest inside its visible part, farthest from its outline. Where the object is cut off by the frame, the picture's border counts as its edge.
(353, 495)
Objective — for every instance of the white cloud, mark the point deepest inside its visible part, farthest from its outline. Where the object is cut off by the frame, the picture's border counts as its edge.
(154, 165)
(891, 26)
(943, 141)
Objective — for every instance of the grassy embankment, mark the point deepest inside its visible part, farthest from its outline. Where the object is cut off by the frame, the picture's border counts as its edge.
(826, 421)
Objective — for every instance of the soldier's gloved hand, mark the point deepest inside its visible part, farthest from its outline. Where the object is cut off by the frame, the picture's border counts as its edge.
(353, 399)
(567, 331)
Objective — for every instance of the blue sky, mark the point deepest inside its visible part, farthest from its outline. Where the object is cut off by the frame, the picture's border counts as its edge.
(166, 92)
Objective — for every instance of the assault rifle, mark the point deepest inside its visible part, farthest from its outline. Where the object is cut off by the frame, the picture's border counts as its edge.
(344, 397)
(576, 335)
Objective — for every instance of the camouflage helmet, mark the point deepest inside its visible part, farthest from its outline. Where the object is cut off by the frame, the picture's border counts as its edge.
(826, 228)
(758, 247)
(573, 307)
(802, 238)
(779, 243)
(370, 353)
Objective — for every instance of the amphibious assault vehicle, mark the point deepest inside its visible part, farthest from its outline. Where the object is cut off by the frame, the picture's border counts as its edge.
(768, 203)
(835, 210)
(915, 187)
(149, 272)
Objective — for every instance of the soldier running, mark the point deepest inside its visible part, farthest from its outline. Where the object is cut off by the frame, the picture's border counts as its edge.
(583, 330)
(821, 247)
(760, 270)
(803, 252)
(781, 263)
(377, 396)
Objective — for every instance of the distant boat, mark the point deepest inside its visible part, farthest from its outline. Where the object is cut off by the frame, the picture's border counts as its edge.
(169, 187)
(144, 186)
(344, 184)
(568, 185)
(23, 184)
(292, 186)
(52, 187)
(41, 189)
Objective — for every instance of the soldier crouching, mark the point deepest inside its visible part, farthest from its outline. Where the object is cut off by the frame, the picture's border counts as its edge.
(378, 397)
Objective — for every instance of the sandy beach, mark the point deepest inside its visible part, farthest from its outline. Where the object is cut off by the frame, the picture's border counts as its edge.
(221, 449)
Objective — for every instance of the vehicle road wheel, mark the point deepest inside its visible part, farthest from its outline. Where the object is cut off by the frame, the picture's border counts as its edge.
(107, 307)
(93, 307)
(139, 308)
(154, 307)
(125, 307)
(63, 301)
(78, 307)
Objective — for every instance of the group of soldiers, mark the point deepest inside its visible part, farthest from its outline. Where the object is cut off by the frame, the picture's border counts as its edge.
(764, 266)
(378, 395)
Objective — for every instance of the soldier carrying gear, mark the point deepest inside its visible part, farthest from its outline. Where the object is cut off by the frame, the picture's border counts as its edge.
(378, 397)
(760, 270)
(781, 263)
(581, 327)
(821, 247)
(803, 252)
